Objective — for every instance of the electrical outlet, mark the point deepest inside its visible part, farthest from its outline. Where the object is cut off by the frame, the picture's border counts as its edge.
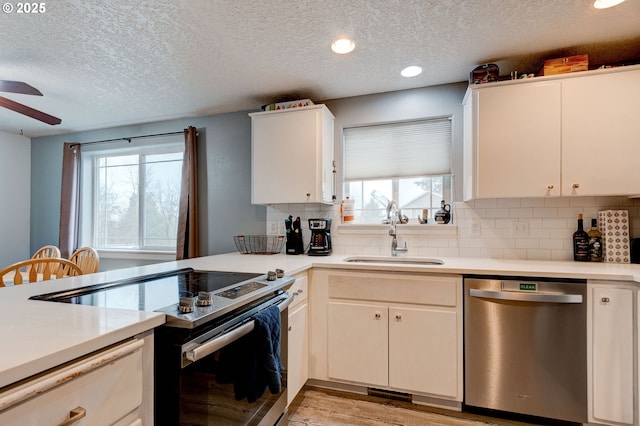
(272, 228)
(519, 229)
(476, 228)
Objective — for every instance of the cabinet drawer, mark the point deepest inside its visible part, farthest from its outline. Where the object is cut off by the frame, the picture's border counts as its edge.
(299, 290)
(107, 386)
(396, 288)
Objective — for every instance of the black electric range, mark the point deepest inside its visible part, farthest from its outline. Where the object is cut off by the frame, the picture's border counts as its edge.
(188, 297)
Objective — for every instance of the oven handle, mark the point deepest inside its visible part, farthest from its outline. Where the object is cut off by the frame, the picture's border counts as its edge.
(223, 340)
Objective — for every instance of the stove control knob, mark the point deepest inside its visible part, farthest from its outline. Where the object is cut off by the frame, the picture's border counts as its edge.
(204, 298)
(271, 276)
(279, 273)
(186, 305)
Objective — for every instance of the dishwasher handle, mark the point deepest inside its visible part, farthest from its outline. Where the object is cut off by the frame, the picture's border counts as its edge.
(526, 297)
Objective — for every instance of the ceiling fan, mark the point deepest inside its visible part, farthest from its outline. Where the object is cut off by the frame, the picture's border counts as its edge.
(24, 89)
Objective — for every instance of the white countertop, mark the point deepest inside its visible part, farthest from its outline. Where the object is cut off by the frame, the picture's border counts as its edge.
(38, 335)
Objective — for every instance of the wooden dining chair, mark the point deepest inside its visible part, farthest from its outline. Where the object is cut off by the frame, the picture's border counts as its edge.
(47, 251)
(26, 271)
(87, 259)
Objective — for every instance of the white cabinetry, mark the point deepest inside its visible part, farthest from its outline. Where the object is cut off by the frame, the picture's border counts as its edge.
(298, 337)
(600, 131)
(292, 156)
(394, 331)
(103, 389)
(612, 335)
(517, 140)
(562, 135)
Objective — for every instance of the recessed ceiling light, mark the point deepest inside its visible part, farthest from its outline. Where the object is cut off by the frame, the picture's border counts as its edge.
(343, 45)
(604, 4)
(411, 71)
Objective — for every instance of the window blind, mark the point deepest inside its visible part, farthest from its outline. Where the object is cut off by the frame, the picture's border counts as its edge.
(417, 148)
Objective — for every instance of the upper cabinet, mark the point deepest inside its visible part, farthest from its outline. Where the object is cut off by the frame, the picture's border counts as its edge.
(292, 156)
(568, 135)
(601, 134)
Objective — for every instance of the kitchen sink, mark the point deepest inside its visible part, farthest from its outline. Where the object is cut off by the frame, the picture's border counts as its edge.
(396, 260)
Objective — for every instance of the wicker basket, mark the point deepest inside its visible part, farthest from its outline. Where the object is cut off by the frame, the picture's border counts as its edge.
(259, 244)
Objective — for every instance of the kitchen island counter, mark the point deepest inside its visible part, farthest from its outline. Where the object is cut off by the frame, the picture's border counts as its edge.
(38, 335)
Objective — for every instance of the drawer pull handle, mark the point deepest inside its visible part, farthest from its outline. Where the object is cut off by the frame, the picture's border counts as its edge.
(576, 186)
(398, 317)
(549, 186)
(605, 300)
(299, 292)
(75, 415)
(377, 316)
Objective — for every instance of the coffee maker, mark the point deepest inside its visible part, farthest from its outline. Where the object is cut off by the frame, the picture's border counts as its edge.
(320, 237)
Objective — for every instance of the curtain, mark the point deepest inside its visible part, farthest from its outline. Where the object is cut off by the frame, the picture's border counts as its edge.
(187, 244)
(69, 199)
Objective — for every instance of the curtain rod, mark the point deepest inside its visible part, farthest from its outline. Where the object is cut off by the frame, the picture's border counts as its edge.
(128, 139)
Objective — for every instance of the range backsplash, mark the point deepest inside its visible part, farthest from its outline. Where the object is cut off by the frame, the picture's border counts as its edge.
(516, 228)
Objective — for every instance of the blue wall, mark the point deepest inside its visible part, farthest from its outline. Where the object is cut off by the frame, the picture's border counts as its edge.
(224, 177)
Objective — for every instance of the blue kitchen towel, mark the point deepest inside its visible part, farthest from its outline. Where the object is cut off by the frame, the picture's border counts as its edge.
(267, 332)
(253, 362)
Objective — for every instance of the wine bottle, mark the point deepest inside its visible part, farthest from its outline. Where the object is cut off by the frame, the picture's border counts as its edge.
(595, 242)
(580, 243)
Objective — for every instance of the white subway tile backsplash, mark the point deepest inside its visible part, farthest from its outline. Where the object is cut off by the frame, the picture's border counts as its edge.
(550, 224)
(545, 212)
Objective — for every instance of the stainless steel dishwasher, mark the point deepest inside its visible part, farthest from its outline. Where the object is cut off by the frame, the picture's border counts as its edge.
(525, 347)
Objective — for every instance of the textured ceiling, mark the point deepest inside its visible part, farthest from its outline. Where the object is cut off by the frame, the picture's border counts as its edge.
(103, 63)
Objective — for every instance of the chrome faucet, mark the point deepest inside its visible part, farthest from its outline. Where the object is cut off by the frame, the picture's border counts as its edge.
(392, 215)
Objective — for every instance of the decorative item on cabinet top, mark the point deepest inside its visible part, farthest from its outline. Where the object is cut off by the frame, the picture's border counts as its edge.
(300, 103)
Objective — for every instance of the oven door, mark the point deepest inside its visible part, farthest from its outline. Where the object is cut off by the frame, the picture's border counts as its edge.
(192, 373)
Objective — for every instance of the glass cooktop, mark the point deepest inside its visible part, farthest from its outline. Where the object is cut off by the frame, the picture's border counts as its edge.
(157, 292)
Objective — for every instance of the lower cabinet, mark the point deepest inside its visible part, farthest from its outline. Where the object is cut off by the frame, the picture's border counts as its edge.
(103, 389)
(393, 331)
(298, 338)
(408, 349)
(613, 348)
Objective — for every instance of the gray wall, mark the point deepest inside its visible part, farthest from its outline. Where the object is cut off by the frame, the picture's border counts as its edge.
(224, 170)
(15, 174)
(225, 161)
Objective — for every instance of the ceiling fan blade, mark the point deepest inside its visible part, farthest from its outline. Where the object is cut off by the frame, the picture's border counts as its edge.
(29, 112)
(18, 87)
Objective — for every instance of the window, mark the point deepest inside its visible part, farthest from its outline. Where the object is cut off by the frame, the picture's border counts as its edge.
(408, 162)
(130, 196)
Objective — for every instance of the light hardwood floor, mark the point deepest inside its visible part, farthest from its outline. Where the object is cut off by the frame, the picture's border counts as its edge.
(322, 407)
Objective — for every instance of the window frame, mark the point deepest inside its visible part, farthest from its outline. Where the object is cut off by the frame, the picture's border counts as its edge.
(89, 190)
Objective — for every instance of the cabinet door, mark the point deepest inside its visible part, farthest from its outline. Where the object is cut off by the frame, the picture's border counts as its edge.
(600, 129)
(517, 137)
(297, 362)
(287, 156)
(358, 343)
(612, 348)
(423, 351)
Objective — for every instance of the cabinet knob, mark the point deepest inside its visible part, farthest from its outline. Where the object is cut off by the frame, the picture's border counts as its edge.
(549, 186)
(575, 186)
(377, 316)
(398, 317)
(308, 194)
(299, 292)
(605, 300)
(289, 328)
